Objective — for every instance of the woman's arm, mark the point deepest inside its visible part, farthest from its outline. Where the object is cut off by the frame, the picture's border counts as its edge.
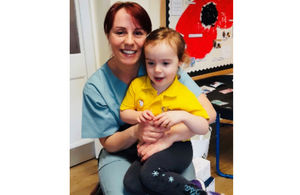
(121, 140)
(208, 107)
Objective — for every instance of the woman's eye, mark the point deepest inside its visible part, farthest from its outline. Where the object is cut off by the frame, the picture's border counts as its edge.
(120, 32)
(139, 33)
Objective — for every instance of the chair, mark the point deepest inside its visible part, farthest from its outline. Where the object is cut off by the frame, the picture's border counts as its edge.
(218, 149)
(223, 111)
(97, 190)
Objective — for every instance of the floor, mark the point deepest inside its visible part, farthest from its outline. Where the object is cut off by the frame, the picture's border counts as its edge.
(223, 185)
(83, 177)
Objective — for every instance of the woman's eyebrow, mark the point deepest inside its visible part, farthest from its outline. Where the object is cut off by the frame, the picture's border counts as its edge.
(119, 27)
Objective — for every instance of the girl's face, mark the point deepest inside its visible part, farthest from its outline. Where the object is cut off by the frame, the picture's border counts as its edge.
(162, 65)
(126, 38)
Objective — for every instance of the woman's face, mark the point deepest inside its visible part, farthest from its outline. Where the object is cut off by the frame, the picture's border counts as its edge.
(126, 38)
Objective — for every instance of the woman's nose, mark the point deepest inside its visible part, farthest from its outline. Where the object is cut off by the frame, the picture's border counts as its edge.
(129, 39)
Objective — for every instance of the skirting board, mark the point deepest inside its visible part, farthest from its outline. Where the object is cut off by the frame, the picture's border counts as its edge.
(82, 153)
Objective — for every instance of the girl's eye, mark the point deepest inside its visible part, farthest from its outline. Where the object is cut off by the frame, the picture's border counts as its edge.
(165, 63)
(150, 63)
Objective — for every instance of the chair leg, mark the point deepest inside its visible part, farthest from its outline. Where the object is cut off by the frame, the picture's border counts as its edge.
(97, 190)
(219, 172)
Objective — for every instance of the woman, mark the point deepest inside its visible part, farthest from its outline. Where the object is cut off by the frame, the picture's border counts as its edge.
(126, 26)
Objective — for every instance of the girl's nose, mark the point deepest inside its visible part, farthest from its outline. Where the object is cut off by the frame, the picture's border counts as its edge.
(157, 68)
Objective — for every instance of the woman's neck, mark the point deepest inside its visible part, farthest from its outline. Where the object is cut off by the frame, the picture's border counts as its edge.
(125, 73)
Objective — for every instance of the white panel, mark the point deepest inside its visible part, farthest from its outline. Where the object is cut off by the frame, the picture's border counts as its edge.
(154, 13)
(87, 36)
(102, 48)
(77, 66)
(76, 87)
(77, 61)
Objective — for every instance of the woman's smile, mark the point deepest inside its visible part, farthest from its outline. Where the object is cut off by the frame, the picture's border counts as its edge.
(128, 52)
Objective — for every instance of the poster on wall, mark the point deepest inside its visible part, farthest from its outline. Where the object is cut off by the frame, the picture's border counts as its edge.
(206, 26)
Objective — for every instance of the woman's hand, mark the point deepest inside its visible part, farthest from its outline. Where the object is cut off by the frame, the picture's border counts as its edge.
(148, 133)
(145, 150)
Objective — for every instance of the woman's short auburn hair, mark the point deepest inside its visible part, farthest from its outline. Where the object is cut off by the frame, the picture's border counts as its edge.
(135, 10)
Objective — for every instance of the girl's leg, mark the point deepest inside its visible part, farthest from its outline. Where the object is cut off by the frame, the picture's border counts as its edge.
(132, 182)
(161, 172)
(113, 167)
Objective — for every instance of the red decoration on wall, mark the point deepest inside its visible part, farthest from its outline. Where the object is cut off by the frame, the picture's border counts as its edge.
(201, 21)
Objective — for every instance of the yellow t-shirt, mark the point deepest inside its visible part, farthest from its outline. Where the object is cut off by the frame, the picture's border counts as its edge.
(142, 96)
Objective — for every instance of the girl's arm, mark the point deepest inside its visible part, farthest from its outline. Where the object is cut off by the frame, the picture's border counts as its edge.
(178, 132)
(130, 116)
(196, 124)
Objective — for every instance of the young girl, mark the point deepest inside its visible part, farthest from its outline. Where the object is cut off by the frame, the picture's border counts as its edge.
(160, 99)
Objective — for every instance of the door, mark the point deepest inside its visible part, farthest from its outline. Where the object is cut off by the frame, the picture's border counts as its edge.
(82, 65)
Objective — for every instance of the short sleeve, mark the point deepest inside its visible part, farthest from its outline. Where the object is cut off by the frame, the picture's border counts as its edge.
(97, 119)
(189, 83)
(191, 103)
(128, 101)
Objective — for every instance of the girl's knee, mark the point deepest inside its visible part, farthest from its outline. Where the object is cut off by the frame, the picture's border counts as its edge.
(149, 178)
(129, 185)
(132, 185)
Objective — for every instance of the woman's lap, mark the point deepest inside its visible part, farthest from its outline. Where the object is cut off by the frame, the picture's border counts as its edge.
(113, 167)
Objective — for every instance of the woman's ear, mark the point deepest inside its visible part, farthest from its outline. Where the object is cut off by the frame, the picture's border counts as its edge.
(107, 35)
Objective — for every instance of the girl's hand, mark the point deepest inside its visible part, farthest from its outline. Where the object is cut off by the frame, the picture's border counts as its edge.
(169, 118)
(145, 116)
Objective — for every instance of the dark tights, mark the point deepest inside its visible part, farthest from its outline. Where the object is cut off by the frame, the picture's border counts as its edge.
(160, 174)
